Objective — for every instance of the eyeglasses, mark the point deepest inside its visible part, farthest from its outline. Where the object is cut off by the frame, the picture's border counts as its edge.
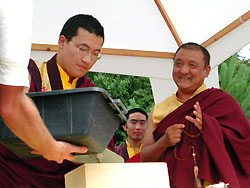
(83, 50)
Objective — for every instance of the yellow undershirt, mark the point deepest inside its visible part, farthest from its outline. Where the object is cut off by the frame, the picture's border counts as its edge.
(168, 105)
(131, 151)
(65, 79)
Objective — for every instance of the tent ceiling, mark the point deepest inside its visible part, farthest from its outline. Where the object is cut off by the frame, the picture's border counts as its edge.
(139, 25)
(197, 20)
(136, 25)
(151, 31)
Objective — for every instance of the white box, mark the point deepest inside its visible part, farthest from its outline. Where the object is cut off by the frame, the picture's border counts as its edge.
(118, 175)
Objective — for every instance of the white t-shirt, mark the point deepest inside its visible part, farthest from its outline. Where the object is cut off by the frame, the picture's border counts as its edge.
(15, 41)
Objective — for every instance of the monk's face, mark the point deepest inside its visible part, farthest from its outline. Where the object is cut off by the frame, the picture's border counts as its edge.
(135, 126)
(189, 70)
(77, 56)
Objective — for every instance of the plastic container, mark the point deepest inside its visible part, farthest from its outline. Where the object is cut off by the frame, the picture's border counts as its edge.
(82, 116)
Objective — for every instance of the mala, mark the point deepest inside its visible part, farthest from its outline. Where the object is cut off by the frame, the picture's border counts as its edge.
(196, 169)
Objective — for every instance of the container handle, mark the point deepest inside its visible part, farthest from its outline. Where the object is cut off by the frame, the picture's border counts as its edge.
(120, 103)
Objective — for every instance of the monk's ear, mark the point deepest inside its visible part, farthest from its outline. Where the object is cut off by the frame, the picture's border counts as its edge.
(208, 69)
(61, 41)
(125, 127)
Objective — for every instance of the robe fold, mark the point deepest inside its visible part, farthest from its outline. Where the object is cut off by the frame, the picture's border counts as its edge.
(135, 159)
(16, 172)
(222, 149)
(122, 151)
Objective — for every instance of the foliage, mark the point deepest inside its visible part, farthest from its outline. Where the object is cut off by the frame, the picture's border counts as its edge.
(132, 90)
(234, 77)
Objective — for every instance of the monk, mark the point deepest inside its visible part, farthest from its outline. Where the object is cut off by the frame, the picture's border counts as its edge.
(202, 134)
(80, 44)
(135, 129)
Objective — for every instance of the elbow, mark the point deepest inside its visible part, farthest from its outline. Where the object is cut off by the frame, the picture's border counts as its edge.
(7, 108)
(144, 157)
(10, 100)
(150, 154)
(6, 111)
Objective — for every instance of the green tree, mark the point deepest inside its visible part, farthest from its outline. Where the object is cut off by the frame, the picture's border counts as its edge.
(133, 91)
(234, 77)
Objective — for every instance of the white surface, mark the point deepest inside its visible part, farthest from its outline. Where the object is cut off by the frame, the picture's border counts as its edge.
(15, 35)
(122, 175)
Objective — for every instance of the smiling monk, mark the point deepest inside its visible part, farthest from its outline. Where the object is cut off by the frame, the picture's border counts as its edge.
(202, 134)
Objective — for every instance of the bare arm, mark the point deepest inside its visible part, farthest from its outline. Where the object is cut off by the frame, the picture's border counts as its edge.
(23, 119)
(151, 150)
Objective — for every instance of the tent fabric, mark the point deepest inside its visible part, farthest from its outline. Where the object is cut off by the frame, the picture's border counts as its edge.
(140, 25)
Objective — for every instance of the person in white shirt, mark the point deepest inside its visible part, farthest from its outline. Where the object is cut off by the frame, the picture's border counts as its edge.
(16, 109)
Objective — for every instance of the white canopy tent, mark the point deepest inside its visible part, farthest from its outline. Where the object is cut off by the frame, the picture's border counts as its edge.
(142, 35)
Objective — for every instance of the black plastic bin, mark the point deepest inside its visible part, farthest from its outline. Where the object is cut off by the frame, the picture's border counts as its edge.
(83, 116)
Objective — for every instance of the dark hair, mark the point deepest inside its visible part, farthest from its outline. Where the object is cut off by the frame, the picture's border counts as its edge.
(195, 46)
(134, 110)
(84, 21)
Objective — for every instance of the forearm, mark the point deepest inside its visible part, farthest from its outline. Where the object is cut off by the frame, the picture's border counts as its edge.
(23, 119)
(153, 152)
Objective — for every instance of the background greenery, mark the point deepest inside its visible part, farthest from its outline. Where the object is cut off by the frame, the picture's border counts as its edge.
(234, 78)
(132, 90)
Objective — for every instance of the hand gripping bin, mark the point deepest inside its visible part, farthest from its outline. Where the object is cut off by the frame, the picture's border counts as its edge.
(83, 116)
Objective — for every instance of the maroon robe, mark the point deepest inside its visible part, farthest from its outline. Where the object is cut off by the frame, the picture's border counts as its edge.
(223, 148)
(38, 172)
(122, 151)
(54, 77)
(135, 159)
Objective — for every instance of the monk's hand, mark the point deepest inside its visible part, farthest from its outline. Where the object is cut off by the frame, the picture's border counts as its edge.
(197, 121)
(173, 134)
